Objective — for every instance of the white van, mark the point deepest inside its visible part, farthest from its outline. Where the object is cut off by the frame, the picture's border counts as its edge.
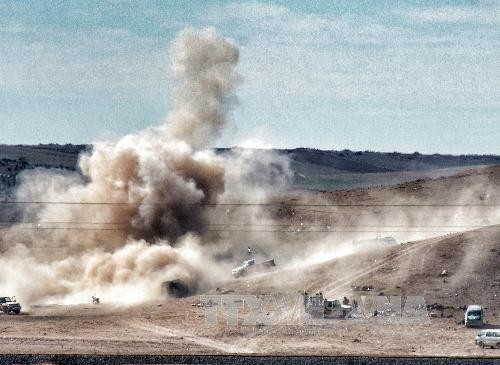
(474, 316)
(489, 338)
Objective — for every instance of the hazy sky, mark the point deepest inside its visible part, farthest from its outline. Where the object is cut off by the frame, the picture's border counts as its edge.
(367, 75)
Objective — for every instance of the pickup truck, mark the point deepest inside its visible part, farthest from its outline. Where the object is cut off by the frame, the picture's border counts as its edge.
(10, 306)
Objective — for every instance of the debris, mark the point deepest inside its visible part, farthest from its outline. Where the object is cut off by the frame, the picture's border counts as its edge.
(356, 340)
(436, 306)
(444, 273)
(484, 196)
(202, 304)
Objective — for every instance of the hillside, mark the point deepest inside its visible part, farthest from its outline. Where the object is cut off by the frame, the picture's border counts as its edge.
(448, 223)
(334, 170)
(15, 159)
(469, 251)
(312, 169)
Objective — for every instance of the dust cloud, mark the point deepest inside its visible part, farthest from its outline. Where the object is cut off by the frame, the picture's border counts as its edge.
(135, 213)
(161, 204)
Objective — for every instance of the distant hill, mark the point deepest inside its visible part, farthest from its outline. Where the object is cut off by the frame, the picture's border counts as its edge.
(333, 170)
(312, 169)
(369, 162)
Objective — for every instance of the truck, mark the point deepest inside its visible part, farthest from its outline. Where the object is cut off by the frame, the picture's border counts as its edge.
(10, 305)
(249, 266)
(474, 316)
(377, 242)
(320, 307)
(489, 338)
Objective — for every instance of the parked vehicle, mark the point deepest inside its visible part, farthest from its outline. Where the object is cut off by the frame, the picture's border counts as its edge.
(320, 307)
(474, 316)
(488, 338)
(10, 305)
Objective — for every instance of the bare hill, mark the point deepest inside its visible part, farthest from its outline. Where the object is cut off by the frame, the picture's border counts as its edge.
(448, 223)
(312, 169)
(457, 220)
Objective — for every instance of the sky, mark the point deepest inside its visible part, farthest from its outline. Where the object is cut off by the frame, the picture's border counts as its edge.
(361, 75)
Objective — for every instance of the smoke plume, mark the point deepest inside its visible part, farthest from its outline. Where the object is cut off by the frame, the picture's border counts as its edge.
(133, 215)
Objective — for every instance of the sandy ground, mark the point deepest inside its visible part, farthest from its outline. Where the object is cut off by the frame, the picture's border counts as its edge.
(179, 326)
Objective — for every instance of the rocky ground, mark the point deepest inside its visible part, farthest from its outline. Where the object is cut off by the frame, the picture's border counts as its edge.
(466, 245)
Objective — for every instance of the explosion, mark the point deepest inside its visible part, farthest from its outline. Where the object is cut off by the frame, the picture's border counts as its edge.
(139, 203)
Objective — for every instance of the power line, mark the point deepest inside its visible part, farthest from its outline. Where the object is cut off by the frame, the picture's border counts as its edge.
(347, 225)
(302, 230)
(70, 229)
(300, 225)
(61, 222)
(250, 230)
(239, 204)
(340, 231)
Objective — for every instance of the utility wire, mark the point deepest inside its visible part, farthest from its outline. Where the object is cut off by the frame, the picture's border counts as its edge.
(300, 230)
(278, 205)
(301, 225)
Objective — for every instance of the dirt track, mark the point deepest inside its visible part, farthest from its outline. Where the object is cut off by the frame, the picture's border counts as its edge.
(179, 328)
(237, 359)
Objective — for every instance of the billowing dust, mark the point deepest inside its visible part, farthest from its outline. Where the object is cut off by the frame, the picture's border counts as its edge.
(161, 204)
(139, 203)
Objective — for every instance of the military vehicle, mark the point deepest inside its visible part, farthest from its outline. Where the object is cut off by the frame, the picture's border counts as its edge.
(249, 266)
(319, 307)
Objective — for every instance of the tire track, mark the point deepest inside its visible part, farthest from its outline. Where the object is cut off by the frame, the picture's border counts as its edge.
(199, 340)
(348, 279)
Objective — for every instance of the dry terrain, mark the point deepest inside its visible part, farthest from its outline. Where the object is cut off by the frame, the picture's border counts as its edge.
(463, 240)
